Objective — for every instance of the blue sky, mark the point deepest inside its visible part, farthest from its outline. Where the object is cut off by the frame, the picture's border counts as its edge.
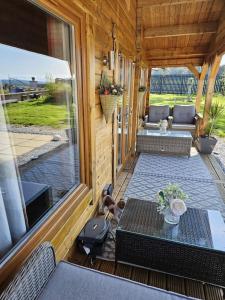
(22, 64)
(223, 60)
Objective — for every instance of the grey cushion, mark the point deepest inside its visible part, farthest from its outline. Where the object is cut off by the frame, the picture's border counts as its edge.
(184, 127)
(158, 112)
(70, 282)
(184, 114)
(151, 125)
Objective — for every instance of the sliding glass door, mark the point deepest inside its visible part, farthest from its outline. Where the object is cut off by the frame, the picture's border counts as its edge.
(39, 141)
(124, 110)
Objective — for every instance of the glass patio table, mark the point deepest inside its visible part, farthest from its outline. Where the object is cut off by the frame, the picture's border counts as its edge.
(195, 248)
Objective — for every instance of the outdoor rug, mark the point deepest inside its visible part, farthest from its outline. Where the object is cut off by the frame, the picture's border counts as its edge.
(173, 166)
(154, 172)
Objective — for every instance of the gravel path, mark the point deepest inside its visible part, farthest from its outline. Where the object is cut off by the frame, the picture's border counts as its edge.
(36, 130)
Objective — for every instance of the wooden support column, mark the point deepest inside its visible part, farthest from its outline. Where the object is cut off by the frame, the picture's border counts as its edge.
(148, 87)
(135, 107)
(200, 87)
(210, 88)
(90, 41)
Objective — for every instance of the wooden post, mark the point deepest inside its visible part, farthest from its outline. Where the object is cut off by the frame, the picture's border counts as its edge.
(91, 99)
(146, 106)
(135, 107)
(200, 87)
(210, 88)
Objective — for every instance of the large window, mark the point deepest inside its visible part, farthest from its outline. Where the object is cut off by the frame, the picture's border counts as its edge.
(39, 151)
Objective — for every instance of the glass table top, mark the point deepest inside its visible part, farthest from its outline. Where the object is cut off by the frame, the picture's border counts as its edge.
(197, 227)
(168, 133)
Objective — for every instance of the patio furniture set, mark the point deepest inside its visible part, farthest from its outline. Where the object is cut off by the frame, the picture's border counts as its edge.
(195, 248)
(180, 117)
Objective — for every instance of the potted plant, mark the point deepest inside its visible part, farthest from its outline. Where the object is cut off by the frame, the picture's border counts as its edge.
(171, 203)
(141, 93)
(110, 94)
(206, 143)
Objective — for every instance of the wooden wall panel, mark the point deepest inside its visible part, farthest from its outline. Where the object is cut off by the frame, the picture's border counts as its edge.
(109, 12)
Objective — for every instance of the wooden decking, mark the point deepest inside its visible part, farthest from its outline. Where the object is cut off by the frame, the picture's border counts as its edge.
(180, 285)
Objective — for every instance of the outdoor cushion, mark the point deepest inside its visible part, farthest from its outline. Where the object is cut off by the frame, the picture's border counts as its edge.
(184, 127)
(158, 112)
(184, 114)
(71, 282)
(152, 125)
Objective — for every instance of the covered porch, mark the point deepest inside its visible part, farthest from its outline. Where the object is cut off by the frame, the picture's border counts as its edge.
(84, 152)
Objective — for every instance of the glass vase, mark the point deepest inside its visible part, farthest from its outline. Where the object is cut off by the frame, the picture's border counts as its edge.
(170, 218)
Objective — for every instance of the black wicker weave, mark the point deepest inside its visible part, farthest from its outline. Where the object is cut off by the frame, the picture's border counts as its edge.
(195, 248)
(33, 276)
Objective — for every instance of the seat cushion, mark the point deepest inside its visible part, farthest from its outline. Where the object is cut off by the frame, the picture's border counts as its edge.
(184, 114)
(71, 282)
(151, 125)
(158, 112)
(184, 127)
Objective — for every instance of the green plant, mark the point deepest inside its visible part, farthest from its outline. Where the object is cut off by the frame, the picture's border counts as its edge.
(215, 112)
(164, 197)
(107, 88)
(222, 82)
(142, 89)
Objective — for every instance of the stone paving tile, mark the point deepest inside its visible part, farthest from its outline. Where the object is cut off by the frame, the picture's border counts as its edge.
(31, 143)
(58, 169)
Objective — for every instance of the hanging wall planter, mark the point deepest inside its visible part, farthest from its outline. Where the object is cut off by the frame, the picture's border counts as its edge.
(141, 103)
(120, 100)
(108, 103)
(110, 96)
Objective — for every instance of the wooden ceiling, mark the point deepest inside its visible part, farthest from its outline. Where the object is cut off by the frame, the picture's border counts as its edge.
(180, 32)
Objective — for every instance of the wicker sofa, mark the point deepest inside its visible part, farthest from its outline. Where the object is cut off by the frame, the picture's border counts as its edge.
(180, 117)
(41, 278)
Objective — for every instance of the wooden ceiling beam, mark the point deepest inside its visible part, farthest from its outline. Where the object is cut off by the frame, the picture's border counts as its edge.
(193, 70)
(180, 30)
(152, 3)
(217, 45)
(182, 62)
(175, 52)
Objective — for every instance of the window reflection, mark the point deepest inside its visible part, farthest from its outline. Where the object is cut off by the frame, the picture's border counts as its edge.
(39, 155)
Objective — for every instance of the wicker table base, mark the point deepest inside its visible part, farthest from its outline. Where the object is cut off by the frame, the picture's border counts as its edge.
(195, 248)
(171, 142)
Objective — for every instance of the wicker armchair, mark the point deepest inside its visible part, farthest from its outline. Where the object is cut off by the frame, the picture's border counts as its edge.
(156, 113)
(32, 277)
(184, 118)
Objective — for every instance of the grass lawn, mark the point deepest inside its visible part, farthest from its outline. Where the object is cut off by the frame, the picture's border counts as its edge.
(37, 112)
(172, 99)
